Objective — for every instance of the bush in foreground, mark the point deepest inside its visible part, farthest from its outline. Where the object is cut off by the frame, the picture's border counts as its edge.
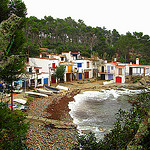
(12, 129)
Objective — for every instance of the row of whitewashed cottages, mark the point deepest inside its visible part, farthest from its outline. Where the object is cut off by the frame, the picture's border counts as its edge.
(40, 70)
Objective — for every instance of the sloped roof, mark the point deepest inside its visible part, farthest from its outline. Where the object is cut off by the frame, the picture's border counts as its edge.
(125, 64)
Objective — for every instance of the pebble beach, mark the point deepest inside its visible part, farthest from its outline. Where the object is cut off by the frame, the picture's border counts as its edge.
(45, 137)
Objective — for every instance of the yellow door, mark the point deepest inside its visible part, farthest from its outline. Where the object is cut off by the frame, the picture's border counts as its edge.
(69, 68)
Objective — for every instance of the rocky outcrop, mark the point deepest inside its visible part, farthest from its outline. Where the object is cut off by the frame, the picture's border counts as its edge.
(53, 123)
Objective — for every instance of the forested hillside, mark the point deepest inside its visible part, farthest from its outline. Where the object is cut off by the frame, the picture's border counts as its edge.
(63, 35)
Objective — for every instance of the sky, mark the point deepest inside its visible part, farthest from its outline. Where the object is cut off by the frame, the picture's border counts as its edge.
(122, 15)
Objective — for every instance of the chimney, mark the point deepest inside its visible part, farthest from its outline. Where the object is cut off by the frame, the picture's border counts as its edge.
(115, 59)
(105, 61)
(137, 61)
(130, 63)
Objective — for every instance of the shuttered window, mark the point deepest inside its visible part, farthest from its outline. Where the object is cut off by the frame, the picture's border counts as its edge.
(88, 65)
(79, 64)
(120, 71)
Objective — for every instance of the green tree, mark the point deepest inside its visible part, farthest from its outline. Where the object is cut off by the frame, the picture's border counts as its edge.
(31, 49)
(59, 73)
(4, 10)
(9, 7)
(12, 40)
(12, 129)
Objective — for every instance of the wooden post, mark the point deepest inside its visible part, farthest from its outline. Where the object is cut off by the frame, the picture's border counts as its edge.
(11, 96)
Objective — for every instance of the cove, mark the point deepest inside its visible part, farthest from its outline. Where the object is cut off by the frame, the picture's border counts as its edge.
(95, 110)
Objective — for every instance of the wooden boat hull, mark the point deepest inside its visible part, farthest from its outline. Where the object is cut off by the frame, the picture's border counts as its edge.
(52, 89)
(45, 91)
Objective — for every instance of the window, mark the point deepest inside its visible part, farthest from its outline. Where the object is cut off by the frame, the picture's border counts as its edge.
(112, 67)
(30, 70)
(37, 70)
(39, 81)
(108, 69)
(62, 58)
(79, 64)
(88, 65)
(120, 71)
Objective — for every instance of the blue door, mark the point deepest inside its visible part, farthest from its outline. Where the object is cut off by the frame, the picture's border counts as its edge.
(110, 76)
(23, 84)
(45, 80)
(80, 75)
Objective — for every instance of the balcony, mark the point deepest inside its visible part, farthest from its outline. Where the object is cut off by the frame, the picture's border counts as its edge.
(107, 72)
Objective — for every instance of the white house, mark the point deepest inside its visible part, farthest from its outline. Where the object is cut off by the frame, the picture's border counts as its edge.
(107, 71)
(70, 56)
(119, 71)
(84, 68)
(40, 71)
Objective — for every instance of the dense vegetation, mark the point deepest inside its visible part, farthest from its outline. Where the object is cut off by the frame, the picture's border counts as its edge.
(68, 35)
(12, 39)
(12, 123)
(12, 129)
(131, 130)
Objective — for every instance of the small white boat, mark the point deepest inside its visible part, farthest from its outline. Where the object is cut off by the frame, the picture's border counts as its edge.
(21, 101)
(18, 91)
(62, 87)
(44, 91)
(37, 94)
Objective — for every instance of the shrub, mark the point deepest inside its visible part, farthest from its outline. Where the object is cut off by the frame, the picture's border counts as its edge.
(12, 129)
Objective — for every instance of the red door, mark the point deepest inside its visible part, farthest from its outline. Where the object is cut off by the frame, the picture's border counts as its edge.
(118, 79)
(53, 65)
(86, 75)
(53, 79)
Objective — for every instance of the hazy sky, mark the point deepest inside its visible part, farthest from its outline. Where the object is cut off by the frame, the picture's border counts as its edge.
(122, 15)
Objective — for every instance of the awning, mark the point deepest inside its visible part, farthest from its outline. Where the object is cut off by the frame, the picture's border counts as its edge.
(19, 81)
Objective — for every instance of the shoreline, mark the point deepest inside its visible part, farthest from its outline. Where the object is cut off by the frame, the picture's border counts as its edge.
(55, 107)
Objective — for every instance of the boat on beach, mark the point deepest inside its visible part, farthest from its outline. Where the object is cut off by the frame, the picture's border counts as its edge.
(18, 91)
(62, 87)
(21, 101)
(44, 91)
(36, 94)
(55, 90)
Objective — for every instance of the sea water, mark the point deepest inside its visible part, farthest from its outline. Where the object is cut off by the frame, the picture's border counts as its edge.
(95, 110)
